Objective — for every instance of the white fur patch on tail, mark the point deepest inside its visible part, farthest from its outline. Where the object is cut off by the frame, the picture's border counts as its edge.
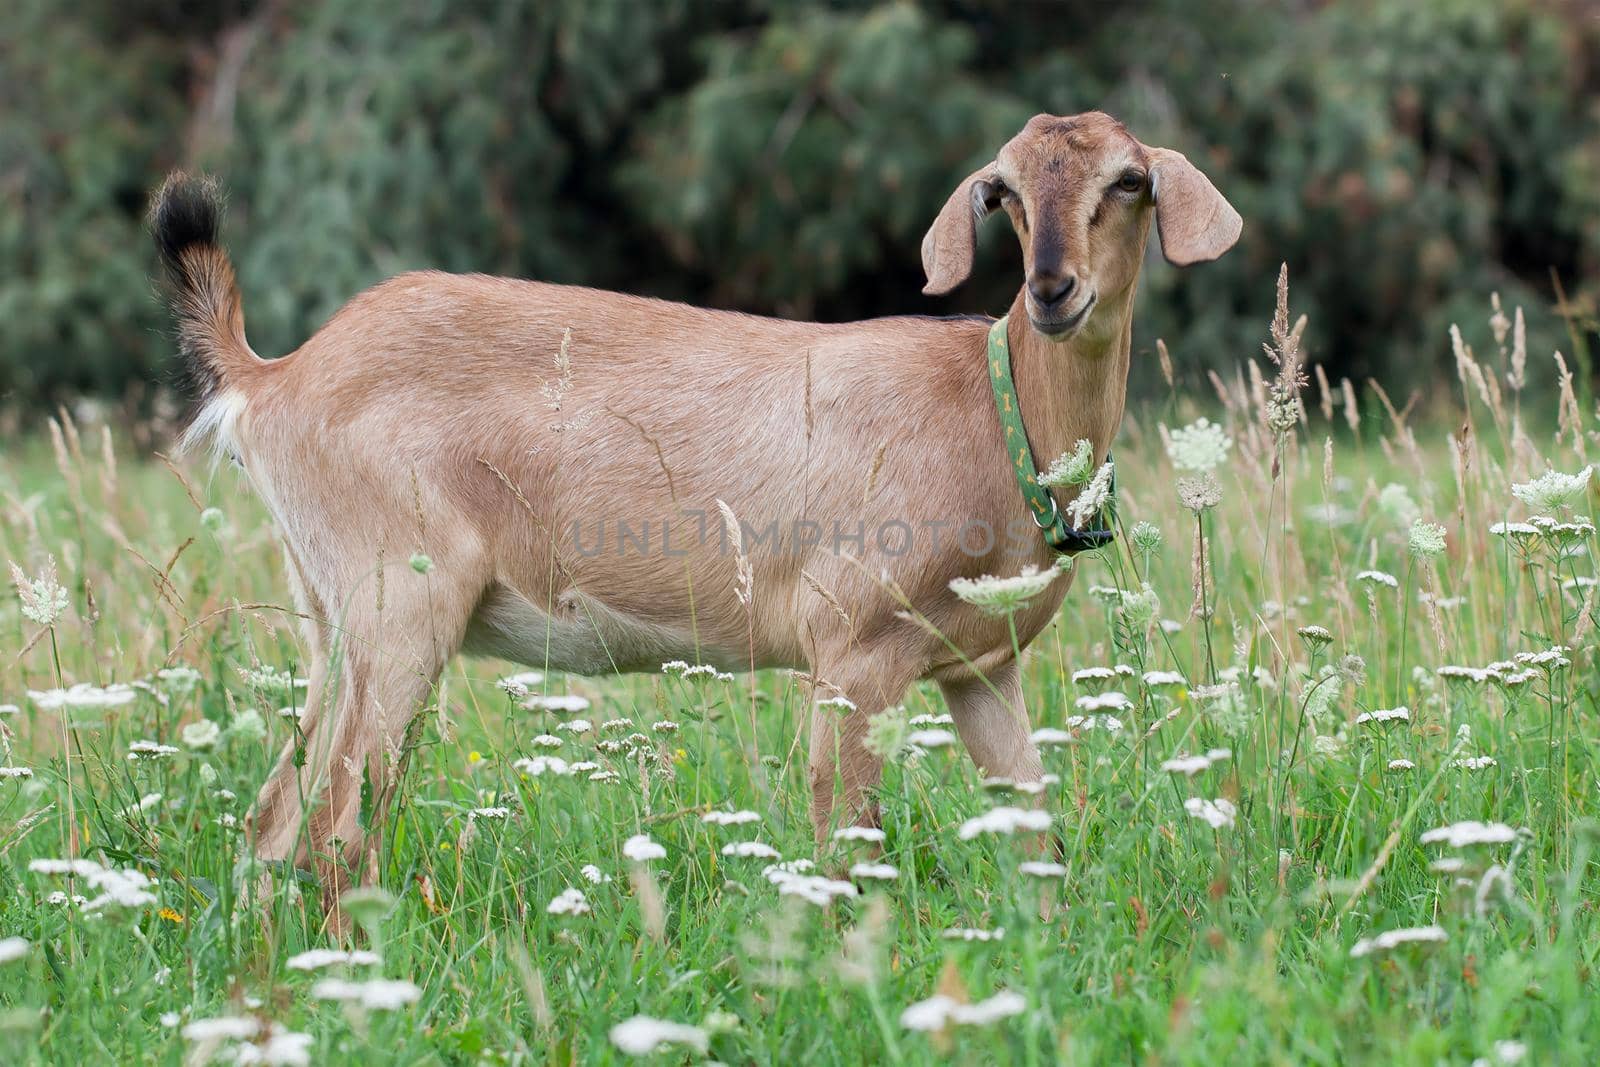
(215, 426)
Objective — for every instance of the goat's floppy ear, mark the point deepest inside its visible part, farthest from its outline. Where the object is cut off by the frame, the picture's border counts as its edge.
(947, 249)
(1196, 224)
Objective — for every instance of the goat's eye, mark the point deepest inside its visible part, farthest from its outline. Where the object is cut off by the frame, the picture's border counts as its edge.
(1131, 181)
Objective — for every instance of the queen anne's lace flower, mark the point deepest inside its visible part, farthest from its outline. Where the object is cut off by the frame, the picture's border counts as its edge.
(569, 902)
(939, 1011)
(1219, 813)
(641, 849)
(1002, 596)
(869, 834)
(375, 994)
(316, 959)
(1199, 447)
(1070, 468)
(1004, 820)
(1426, 539)
(1469, 833)
(83, 695)
(1390, 940)
(1093, 497)
(1383, 716)
(729, 818)
(1554, 491)
(567, 704)
(879, 872)
(537, 766)
(642, 1035)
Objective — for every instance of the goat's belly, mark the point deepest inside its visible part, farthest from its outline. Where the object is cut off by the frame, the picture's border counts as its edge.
(580, 635)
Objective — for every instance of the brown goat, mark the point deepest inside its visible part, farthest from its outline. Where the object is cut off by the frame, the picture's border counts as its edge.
(563, 456)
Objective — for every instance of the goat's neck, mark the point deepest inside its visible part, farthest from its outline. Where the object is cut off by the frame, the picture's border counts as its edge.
(1073, 389)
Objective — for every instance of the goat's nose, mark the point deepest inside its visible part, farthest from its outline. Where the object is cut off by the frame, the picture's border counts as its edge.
(1051, 289)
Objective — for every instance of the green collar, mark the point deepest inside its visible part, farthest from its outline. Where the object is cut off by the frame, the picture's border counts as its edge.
(1064, 539)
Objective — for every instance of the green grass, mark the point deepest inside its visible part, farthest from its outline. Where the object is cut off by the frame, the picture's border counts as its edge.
(1166, 942)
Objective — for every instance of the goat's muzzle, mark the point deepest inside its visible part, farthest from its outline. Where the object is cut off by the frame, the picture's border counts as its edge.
(1057, 321)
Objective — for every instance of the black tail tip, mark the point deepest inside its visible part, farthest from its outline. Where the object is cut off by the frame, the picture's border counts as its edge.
(187, 212)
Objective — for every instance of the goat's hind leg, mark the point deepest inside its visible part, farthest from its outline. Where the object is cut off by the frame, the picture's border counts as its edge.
(279, 811)
(390, 662)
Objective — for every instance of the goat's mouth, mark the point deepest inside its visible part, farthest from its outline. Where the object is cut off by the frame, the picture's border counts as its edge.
(1066, 325)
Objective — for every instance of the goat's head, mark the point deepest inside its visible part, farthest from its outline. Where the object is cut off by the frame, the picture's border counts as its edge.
(1079, 192)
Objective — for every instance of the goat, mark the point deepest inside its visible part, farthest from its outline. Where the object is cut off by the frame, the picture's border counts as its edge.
(504, 428)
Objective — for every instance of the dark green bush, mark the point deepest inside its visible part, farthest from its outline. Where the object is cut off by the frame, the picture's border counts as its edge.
(1405, 157)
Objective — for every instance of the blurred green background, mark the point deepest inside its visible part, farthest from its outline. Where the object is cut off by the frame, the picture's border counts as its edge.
(1405, 157)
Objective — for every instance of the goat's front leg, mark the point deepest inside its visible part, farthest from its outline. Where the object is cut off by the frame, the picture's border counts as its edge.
(841, 765)
(993, 724)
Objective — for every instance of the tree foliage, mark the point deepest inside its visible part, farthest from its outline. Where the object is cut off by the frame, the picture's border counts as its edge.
(1405, 157)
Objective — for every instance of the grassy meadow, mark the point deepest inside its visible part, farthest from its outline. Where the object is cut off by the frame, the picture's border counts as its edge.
(1230, 906)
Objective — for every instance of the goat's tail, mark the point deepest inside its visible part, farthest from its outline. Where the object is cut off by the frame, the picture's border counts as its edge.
(204, 295)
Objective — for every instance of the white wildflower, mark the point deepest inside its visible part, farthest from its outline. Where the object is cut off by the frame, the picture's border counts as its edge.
(1383, 716)
(83, 695)
(729, 818)
(641, 849)
(1050, 737)
(744, 850)
(1199, 447)
(316, 959)
(1218, 813)
(148, 750)
(1379, 578)
(567, 704)
(178, 679)
(869, 834)
(13, 949)
(1393, 939)
(1093, 497)
(1426, 539)
(1070, 468)
(569, 902)
(201, 736)
(16, 772)
(536, 766)
(375, 994)
(1002, 596)
(223, 1028)
(521, 685)
(968, 933)
(1469, 833)
(1107, 724)
(814, 889)
(1394, 500)
(594, 875)
(1042, 869)
(880, 872)
(1004, 820)
(1111, 700)
(1554, 491)
(642, 1035)
(931, 739)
